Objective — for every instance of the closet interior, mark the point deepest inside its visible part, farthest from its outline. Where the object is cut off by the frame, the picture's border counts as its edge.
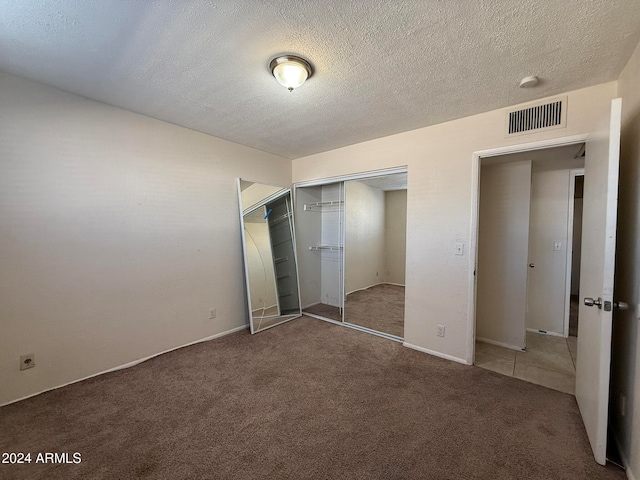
(319, 209)
(342, 260)
(351, 243)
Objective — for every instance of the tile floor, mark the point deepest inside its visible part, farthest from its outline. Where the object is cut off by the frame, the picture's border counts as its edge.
(549, 361)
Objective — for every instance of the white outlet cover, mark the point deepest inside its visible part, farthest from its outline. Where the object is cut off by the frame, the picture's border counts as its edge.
(27, 361)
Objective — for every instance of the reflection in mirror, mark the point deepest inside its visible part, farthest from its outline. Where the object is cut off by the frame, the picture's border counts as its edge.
(375, 253)
(269, 257)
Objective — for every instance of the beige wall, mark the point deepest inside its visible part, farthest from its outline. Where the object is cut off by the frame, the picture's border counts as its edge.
(364, 236)
(117, 234)
(439, 206)
(395, 242)
(626, 334)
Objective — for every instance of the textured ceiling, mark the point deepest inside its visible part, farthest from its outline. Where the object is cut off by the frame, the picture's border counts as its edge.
(382, 66)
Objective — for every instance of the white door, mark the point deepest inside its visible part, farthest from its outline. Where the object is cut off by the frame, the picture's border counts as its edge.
(503, 238)
(596, 278)
(546, 281)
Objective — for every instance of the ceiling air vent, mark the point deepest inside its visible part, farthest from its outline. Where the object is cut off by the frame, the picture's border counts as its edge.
(537, 117)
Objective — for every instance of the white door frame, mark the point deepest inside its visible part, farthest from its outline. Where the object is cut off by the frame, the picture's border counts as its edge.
(573, 174)
(475, 205)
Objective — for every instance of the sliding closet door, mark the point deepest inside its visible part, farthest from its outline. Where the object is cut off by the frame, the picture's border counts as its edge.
(375, 253)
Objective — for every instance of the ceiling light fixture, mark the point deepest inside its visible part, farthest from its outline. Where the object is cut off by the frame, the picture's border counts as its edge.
(528, 82)
(290, 71)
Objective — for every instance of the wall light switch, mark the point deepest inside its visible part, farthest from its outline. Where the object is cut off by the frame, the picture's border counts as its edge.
(557, 246)
(459, 248)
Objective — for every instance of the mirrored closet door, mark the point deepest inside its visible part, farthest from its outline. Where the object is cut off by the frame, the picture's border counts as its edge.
(375, 218)
(351, 238)
(268, 240)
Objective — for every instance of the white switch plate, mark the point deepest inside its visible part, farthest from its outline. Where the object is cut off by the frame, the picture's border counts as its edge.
(557, 246)
(459, 248)
(441, 330)
(212, 313)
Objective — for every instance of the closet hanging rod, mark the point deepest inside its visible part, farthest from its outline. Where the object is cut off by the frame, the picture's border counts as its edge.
(326, 247)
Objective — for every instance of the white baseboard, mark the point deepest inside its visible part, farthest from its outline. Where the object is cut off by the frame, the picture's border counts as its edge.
(545, 332)
(131, 364)
(318, 317)
(375, 285)
(364, 288)
(311, 305)
(499, 344)
(435, 354)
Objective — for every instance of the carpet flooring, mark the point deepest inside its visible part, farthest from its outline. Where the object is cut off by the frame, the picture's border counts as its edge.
(380, 308)
(326, 311)
(304, 400)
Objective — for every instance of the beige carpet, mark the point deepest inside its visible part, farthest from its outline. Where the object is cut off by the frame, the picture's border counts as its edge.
(326, 311)
(379, 308)
(304, 400)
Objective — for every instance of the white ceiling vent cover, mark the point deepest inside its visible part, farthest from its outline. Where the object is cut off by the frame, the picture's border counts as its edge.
(537, 117)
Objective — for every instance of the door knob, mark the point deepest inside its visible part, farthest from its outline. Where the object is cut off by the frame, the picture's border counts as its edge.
(590, 302)
(532, 265)
(621, 305)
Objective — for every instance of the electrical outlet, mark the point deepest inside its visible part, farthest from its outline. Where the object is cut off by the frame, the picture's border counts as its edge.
(441, 330)
(212, 313)
(27, 361)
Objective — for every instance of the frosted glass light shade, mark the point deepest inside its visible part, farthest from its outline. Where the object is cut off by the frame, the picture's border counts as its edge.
(290, 71)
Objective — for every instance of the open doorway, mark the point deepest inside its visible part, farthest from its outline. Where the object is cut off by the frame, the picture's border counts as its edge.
(576, 228)
(525, 265)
